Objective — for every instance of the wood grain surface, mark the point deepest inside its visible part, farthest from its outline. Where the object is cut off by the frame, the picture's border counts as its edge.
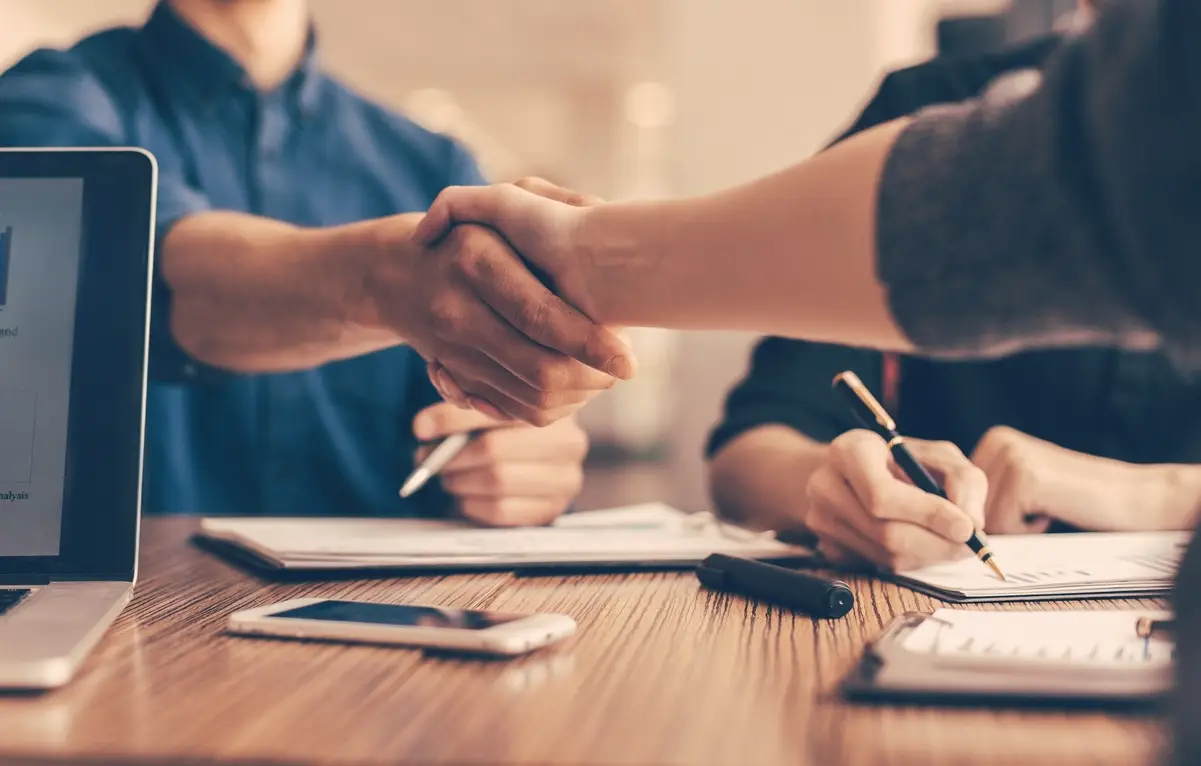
(660, 673)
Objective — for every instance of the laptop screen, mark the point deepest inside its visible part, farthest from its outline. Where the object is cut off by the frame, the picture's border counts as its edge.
(40, 221)
(75, 280)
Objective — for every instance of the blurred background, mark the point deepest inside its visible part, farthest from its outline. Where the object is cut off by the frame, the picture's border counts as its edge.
(626, 99)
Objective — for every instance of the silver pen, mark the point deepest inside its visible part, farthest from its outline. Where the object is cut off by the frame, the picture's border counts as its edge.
(435, 462)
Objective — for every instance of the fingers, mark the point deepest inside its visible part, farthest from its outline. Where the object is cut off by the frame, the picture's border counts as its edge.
(512, 511)
(516, 475)
(544, 188)
(563, 444)
(863, 459)
(480, 376)
(835, 514)
(446, 386)
(497, 406)
(842, 557)
(496, 206)
(965, 484)
(1008, 508)
(514, 480)
(513, 292)
(505, 284)
(444, 419)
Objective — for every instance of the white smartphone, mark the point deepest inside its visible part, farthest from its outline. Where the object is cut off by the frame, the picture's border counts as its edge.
(435, 627)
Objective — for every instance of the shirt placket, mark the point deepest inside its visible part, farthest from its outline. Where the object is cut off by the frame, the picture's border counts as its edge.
(287, 440)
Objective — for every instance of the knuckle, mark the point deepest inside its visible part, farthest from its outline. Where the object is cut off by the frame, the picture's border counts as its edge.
(533, 316)
(446, 313)
(972, 474)
(530, 183)
(580, 439)
(540, 418)
(879, 502)
(947, 448)
(487, 444)
(548, 401)
(818, 519)
(817, 488)
(575, 482)
(895, 540)
(495, 478)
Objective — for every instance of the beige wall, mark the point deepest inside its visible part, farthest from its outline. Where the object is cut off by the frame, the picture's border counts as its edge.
(540, 87)
(761, 85)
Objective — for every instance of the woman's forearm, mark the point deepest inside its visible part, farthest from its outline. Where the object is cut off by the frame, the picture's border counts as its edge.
(759, 478)
(257, 295)
(790, 254)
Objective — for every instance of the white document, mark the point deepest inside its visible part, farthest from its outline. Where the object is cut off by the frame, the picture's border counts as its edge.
(650, 533)
(1080, 565)
(1061, 641)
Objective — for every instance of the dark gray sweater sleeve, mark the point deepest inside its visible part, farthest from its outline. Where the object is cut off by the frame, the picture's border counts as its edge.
(1060, 208)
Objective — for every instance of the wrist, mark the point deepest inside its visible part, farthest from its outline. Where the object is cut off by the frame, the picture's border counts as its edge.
(377, 256)
(610, 247)
(1180, 487)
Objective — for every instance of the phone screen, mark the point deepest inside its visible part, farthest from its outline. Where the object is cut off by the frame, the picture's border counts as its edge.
(398, 614)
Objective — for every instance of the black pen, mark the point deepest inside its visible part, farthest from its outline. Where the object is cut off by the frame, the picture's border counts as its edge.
(871, 413)
(812, 595)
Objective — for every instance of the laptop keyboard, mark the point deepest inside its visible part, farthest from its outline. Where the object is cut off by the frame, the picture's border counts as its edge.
(10, 598)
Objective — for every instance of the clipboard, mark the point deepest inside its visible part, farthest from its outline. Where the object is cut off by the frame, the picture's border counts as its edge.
(890, 673)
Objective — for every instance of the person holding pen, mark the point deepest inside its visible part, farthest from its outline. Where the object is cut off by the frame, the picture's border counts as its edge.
(1087, 438)
(293, 314)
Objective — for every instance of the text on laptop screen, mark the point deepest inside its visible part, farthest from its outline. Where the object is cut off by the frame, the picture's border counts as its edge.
(40, 245)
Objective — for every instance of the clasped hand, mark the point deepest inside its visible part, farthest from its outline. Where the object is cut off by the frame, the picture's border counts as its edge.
(500, 340)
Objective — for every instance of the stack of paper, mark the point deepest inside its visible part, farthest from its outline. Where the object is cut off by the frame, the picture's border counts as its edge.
(651, 534)
(1043, 567)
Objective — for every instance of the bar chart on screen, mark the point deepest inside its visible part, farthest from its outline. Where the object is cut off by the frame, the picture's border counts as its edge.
(6, 244)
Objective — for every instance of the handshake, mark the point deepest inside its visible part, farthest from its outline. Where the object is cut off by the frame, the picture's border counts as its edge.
(503, 299)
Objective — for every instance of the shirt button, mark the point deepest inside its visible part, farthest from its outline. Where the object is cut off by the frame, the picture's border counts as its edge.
(189, 370)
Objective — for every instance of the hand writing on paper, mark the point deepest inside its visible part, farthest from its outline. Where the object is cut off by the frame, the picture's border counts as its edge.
(512, 474)
(863, 508)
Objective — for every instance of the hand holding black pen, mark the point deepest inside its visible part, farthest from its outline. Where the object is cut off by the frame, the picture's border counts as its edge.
(874, 417)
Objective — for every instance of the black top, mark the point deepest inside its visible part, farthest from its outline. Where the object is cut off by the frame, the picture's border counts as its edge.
(1130, 406)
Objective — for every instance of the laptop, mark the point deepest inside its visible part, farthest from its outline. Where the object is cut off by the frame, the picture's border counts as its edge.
(76, 228)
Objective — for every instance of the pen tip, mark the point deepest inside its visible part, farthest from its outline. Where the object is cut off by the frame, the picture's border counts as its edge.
(412, 484)
(993, 566)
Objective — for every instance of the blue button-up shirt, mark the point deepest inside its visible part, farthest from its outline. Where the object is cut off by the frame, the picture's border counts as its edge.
(332, 440)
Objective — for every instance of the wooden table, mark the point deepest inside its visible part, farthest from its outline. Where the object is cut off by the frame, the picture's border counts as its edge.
(660, 673)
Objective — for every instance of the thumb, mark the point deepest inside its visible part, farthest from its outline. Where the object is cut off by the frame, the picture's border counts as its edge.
(544, 188)
(496, 206)
(443, 419)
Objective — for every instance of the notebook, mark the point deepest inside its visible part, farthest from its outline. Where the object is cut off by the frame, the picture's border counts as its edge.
(1026, 656)
(1058, 566)
(652, 535)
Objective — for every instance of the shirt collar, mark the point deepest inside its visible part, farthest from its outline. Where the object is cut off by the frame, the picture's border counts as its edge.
(207, 72)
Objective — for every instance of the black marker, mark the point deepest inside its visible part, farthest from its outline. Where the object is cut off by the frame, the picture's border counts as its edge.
(814, 596)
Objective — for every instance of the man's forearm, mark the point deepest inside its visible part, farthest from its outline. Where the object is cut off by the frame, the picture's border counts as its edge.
(759, 478)
(256, 295)
(791, 254)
